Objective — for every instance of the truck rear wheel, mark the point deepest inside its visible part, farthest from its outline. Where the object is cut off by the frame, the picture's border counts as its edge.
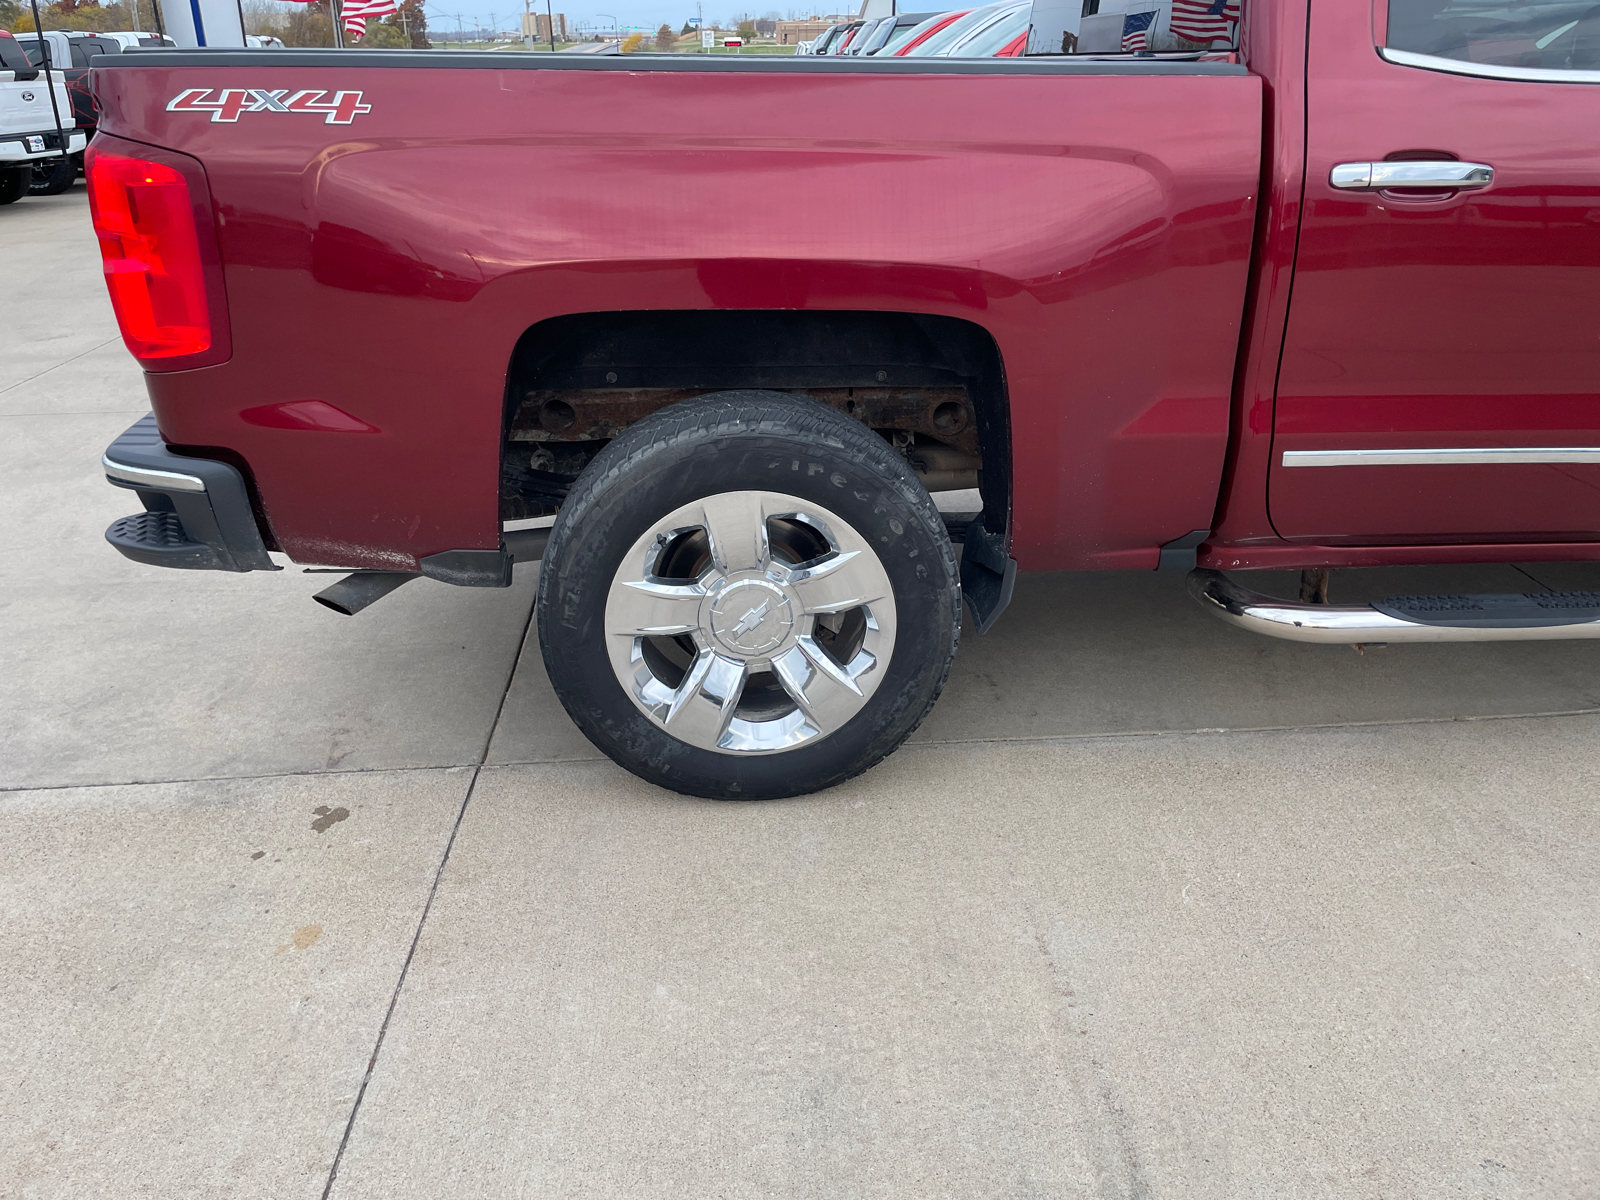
(14, 181)
(748, 595)
(52, 176)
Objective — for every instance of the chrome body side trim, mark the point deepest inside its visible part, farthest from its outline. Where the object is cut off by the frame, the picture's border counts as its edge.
(1351, 624)
(151, 478)
(1467, 456)
(1454, 66)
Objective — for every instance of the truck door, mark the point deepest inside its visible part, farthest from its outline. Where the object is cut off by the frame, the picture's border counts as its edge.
(1440, 379)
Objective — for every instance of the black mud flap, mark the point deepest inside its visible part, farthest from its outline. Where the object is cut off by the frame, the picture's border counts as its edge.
(987, 575)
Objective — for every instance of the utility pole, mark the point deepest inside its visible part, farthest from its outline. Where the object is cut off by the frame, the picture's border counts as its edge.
(550, 17)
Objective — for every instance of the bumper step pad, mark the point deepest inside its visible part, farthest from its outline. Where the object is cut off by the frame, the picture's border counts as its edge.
(197, 511)
(1495, 610)
(159, 539)
(1490, 617)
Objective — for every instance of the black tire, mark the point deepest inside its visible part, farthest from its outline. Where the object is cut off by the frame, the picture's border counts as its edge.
(14, 181)
(52, 176)
(759, 442)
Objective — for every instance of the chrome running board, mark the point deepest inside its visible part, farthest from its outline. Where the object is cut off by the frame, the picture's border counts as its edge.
(1533, 616)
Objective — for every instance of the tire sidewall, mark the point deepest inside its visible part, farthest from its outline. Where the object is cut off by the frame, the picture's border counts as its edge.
(52, 177)
(15, 182)
(643, 479)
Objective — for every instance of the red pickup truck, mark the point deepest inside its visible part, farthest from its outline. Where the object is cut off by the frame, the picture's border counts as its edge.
(1304, 286)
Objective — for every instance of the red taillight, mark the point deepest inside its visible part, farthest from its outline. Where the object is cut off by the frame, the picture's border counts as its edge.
(144, 217)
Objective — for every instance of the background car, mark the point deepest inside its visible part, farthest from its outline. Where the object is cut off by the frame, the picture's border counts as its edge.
(71, 53)
(29, 134)
(1004, 34)
(820, 43)
(132, 40)
(847, 34)
(864, 34)
(988, 32)
(932, 26)
(892, 32)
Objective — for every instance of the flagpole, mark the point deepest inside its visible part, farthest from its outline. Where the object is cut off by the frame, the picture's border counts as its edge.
(338, 23)
(47, 60)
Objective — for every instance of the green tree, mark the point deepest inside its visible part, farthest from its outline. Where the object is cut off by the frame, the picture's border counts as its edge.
(383, 36)
(747, 30)
(412, 22)
(666, 40)
(308, 25)
(86, 15)
(684, 32)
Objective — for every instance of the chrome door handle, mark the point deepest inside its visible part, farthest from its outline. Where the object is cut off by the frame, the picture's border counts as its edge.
(1452, 176)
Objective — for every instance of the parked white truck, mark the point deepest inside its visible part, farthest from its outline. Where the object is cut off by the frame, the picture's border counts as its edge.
(32, 128)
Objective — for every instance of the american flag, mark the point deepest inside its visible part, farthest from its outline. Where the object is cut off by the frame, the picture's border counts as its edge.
(1136, 30)
(356, 12)
(1204, 20)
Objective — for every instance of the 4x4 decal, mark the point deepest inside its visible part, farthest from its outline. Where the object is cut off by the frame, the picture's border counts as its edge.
(230, 102)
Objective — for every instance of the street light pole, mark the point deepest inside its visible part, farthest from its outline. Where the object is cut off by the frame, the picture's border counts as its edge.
(550, 17)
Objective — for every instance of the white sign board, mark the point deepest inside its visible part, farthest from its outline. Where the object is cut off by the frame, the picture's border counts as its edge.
(708, 39)
(205, 23)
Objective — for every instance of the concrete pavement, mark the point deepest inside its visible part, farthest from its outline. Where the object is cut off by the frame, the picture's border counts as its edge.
(299, 905)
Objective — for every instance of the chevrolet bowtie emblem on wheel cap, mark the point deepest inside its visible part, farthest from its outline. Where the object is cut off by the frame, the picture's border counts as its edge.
(752, 619)
(231, 102)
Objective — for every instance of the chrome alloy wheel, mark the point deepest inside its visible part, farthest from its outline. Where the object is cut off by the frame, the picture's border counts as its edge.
(750, 622)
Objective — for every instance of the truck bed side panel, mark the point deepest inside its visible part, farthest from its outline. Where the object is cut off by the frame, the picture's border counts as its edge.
(1099, 227)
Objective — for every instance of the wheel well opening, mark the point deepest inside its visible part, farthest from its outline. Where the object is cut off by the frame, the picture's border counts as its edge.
(933, 386)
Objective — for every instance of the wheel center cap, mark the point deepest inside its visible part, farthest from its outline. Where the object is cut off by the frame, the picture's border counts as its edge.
(751, 616)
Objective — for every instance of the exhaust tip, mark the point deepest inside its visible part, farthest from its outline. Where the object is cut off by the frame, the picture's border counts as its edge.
(356, 591)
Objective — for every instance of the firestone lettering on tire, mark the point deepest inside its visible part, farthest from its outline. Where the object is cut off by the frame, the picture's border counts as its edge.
(231, 103)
